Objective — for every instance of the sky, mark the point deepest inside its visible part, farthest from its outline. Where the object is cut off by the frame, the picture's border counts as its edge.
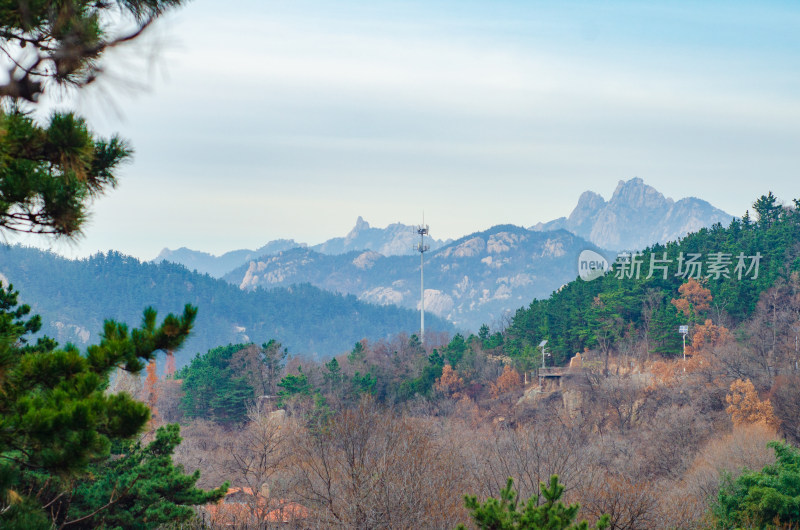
(256, 120)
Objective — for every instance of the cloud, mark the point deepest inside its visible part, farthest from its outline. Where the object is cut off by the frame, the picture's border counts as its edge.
(288, 119)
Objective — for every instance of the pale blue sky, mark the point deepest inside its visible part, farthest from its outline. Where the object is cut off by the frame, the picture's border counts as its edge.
(269, 119)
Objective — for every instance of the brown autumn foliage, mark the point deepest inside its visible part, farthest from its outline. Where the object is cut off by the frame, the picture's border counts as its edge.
(694, 298)
(666, 372)
(707, 339)
(151, 392)
(745, 407)
(169, 368)
(684, 502)
(646, 443)
(450, 384)
(372, 468)
(506, 382)
(706, 336)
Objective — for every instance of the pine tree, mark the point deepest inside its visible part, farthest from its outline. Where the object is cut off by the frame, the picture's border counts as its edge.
(50, 172)
(767, 210)
(504, 514)
(769, 498)
(61, 43)
(455, 350)
(274, 359)
(213, 389)
(666, 339)
(294, 385)
(141, 487)
(56, 416)
(333, 377)
(48, 175)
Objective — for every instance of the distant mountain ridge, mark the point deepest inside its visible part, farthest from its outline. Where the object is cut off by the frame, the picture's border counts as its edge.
(474, 280)
(217, 266)
(396, 239)
(636, 216)
(481, 277)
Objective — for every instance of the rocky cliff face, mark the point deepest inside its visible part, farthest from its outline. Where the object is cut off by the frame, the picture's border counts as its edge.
(637, 215)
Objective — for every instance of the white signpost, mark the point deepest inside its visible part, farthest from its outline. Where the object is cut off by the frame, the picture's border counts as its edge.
(684, 330)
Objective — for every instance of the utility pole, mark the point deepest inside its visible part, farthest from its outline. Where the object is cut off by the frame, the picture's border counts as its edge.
(541, 373)
(422, 230)
(684, 330)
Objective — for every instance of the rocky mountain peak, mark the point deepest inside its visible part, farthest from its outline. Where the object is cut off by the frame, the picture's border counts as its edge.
(360, 227)
(584, 214)
(635, 194)
(637, 215)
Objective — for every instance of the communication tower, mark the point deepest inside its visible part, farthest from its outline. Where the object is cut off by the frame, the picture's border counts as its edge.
(421, 247)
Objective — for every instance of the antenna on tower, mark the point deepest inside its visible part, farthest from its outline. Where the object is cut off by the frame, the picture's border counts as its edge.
(421, 247)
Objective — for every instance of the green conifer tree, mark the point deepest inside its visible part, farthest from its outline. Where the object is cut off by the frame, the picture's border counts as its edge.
(57, 417)
(505, 513)
(140, 488)
(769, 498)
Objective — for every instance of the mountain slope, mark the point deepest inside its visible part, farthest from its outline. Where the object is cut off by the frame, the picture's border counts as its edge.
(637, 215)
(474, 280)
(74, 297)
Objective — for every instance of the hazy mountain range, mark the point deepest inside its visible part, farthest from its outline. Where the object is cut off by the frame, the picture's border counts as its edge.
(471, 281)
(477, 279)
(637, 215)
(395, 239)
(217, 266)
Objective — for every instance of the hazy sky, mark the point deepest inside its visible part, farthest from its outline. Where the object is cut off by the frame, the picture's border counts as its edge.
(266, 119)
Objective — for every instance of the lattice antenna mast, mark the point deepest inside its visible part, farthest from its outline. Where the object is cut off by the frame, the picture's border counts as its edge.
(421, 247)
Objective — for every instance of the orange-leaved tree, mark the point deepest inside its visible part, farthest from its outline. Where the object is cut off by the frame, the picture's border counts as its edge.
(450, 384)
(694, 300)
(745, 407)
(706, 336)
(506, 382)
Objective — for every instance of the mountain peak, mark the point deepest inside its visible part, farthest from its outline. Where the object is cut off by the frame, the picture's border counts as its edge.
(637, 195)
(637, 215)
(634, 183)
(361, 225)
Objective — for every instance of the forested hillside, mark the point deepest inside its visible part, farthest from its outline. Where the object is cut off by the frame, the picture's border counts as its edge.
(626, 304)
(74, 297)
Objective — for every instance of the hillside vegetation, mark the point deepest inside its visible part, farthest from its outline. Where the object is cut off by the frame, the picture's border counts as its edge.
(74, 297)
(399, 431)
